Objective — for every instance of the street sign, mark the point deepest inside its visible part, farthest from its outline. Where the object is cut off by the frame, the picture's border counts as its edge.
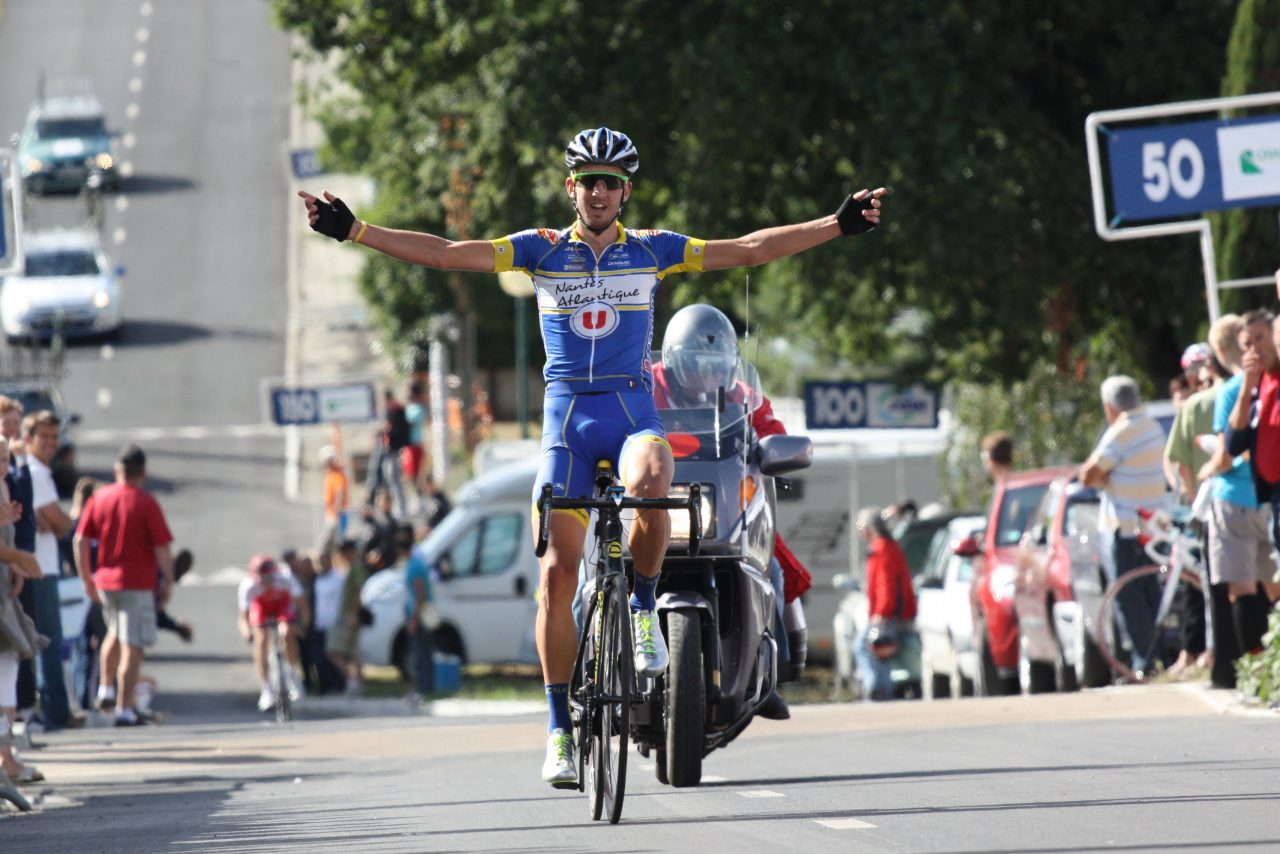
(848, 405)
(1167, 171)
(354, 402)
(305, 163)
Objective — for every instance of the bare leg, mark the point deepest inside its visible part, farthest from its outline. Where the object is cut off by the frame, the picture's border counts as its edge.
(109, 661)
(647, 470)
(130, 666)
(260, 639)
(555, 632)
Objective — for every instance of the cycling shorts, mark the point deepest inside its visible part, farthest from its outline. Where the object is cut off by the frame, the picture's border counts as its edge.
(273, 605)
(580, 430)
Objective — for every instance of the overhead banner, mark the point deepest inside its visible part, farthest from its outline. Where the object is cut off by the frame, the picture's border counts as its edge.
(1169, 171)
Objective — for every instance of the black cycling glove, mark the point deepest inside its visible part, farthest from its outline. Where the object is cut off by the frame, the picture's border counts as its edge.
(335, 220)
(850, 215)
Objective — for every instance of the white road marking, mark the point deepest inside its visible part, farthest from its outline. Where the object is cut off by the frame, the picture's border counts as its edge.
(225, 577)
(711, 778)
(104, 397)
(108, 352)
(189, 432)
(126, 169)
(146, 9)
(142, 34)
(122, 203)
(131, 111)
(139, 58)
(130, 140)
(118, 236)
(135, 85)
(845, 824)
(761, 793)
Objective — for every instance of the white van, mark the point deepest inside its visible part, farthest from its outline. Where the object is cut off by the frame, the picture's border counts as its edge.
(484, 578)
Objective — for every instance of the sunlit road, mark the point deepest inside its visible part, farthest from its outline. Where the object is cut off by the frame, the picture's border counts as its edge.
(200, 95)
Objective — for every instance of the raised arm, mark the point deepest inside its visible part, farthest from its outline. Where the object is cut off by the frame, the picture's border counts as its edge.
(332, 218)
(770, 244)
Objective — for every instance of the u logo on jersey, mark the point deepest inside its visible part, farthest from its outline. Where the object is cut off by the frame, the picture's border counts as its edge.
(594, 320)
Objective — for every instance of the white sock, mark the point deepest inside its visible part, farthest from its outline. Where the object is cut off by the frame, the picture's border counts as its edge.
(106, 692)
(126, 714)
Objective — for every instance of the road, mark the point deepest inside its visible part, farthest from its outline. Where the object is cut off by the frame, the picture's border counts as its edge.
(1147, 769)
(200, 94)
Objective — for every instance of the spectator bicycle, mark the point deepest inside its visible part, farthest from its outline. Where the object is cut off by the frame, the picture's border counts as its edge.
(603, 687)
(1174, 547)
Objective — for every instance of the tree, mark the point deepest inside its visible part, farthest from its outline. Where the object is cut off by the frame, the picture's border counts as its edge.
(756, 113)
(1246, 238)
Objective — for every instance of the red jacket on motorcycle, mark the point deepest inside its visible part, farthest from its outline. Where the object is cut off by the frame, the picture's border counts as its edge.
(795, 578)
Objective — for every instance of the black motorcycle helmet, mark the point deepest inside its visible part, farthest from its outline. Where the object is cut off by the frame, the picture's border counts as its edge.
(699, 353)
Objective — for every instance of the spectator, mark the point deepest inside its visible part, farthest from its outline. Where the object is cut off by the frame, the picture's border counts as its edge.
(132, 538)
(343, 644)
(336, 500)
(413, 455)
(328, 601)
(384, 463)
(18, 637)
(1179, 390)
(1127, 465)
(1254, 426)
(1184, 458)
(378, 536)
(18, 480)
(437, 504)
(997, 454)
(891, 606)
(84, 654)
(43, 431)
(417, 580)
(1193, 360)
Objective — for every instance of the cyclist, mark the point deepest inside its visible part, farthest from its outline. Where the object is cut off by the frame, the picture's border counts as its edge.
(271, 593)
(595, 282)
(699, 355)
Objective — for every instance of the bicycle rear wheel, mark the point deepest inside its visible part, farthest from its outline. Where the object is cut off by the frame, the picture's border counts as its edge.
(614, 677)
(1115, 641)
(280, 680)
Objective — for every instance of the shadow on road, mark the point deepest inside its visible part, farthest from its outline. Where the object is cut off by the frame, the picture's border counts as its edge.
(156, 184)
(165, 333)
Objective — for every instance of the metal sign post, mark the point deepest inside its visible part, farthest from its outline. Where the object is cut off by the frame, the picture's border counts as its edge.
(11, 257)
(1163, 171)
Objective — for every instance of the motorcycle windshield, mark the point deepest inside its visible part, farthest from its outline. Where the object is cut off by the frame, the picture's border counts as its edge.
(686, 397)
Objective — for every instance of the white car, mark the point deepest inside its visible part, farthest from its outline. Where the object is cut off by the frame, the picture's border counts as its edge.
(68, 286)
(484, 575)
(944, 615)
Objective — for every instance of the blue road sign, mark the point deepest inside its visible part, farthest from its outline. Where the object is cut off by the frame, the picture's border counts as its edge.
(1169, 171)
(305, 163)
(327, 404)
(854, 405)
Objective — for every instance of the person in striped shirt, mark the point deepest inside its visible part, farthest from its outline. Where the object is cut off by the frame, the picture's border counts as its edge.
(1127, 465)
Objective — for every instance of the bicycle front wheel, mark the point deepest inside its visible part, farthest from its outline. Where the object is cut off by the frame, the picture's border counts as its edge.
(280, 680)
(614, 680)
(1141, 620)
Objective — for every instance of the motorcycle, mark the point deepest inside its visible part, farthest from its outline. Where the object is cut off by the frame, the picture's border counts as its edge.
(717, 609)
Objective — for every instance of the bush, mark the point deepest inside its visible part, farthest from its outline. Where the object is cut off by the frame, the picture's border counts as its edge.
(1258, 674)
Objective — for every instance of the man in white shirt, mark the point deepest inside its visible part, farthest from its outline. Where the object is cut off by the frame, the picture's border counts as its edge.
(43, 433)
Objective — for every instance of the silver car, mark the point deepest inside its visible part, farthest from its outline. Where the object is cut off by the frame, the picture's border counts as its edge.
(68, 286)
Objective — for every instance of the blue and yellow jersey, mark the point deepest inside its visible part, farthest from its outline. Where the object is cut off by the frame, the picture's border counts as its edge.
(597, 313)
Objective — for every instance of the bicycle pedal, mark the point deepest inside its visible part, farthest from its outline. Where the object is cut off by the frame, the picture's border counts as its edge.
(566, 785)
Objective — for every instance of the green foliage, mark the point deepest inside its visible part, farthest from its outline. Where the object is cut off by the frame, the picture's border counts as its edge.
(1246, 239)
(1258, 674)
(752, 114)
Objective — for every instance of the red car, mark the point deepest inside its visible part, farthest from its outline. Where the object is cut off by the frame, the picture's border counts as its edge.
(1059, 585)
(995, 622)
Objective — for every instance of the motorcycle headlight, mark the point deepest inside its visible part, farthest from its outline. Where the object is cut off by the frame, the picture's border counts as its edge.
(32, 165)
(680, 518)
(101, 299)
(1002, 582)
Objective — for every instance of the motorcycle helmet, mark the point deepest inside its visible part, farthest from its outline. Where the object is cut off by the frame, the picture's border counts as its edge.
(602, 147)
(699, 352)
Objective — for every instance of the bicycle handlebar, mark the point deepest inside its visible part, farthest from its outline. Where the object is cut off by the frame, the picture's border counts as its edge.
(548, 502)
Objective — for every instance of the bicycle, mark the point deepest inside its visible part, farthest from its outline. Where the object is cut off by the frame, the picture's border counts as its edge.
(278, 673)
(603, 687)
(1175, 549)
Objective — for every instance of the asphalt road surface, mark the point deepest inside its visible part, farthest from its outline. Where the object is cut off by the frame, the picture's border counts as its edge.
(1134, 769)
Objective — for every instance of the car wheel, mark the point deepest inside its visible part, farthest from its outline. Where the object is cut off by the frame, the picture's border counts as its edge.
(989, 683)
(1093, 670)
(1034, 677)
(934, 685)
(402, 656)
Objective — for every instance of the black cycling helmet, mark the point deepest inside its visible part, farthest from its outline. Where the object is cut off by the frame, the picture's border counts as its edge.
(699, 351)
(602, 147)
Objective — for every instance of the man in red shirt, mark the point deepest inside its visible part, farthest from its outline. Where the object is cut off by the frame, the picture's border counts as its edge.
(891, 606)
(132, 539)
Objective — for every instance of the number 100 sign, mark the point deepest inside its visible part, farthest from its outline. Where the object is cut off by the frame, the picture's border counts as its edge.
(1167, 171)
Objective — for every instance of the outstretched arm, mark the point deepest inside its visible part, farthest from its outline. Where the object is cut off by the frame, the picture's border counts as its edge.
(770, 244)
(416, 247)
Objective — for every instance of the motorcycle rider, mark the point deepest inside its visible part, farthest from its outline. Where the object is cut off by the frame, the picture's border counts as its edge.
(699, 355)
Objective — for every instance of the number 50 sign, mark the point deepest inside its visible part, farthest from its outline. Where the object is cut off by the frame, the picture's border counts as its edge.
(1166, 171)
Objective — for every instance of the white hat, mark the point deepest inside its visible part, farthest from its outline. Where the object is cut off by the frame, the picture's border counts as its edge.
(327, 453)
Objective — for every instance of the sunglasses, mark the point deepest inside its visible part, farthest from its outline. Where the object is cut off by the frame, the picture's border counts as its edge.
(612, 181)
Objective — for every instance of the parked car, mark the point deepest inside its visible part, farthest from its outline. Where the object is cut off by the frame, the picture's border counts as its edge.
(944, 618)
(64, 137)
(68, 286)
(484, 575)
(991, 594)
(1059, 585)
